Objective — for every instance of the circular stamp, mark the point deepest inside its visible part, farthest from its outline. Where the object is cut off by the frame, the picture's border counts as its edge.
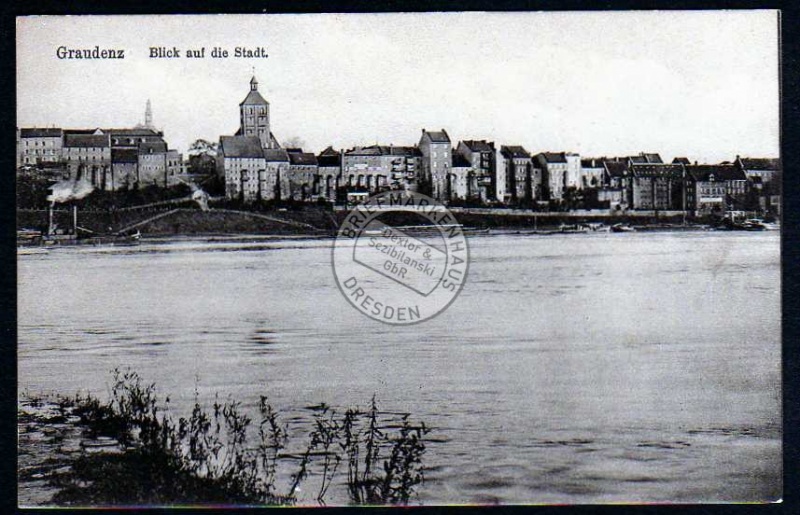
(400, 273)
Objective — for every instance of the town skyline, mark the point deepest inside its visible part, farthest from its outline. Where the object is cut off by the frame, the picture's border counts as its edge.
(710, 95)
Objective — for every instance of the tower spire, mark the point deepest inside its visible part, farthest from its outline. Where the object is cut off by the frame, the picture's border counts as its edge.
(254, 81)
(148, 115)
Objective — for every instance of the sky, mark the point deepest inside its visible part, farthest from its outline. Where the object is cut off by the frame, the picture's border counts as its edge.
(701, 84)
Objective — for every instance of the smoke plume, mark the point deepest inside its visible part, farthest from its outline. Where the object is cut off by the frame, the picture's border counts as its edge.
(69, 190)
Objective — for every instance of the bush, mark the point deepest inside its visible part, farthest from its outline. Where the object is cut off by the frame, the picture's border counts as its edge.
(210, 456)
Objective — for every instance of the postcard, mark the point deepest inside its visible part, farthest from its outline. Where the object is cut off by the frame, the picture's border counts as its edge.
(445, 258)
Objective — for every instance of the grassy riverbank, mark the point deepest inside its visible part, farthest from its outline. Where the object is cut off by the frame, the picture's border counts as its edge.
(131, 450)
(306, 221)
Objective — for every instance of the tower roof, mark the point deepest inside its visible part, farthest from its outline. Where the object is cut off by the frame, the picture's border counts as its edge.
(254, 97)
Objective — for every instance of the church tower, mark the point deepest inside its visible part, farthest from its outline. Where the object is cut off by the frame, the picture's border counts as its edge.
(254, 116)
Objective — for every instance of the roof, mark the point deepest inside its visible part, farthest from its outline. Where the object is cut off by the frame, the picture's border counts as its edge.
(302, 158)
(373, 150)
(274, 155)
(136, 131)
(616, 168)
(720, 172)
(405, 151)
(592, 162)
(124, 155)
(657, 170)
(437, 136)
(761, 163)
(552, 157)
(681, 161)
(241, 146)
(460, 161)
(86, 140)
(646, 158)
(40, 133)
(254, 98)
(152, 147)
(329, 161)
(479, 145)
(514, 151)
(329, 157)
(84, 131)
(329, 152)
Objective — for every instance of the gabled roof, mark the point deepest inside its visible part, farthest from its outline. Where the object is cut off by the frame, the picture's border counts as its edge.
(241, 146)
(40, 133)
(274, 155)
(329, 152)
(329, 157)
(479, 145)
(436, 136)
(460, 161)
(681, 161)
(86, 140)
(761, 163)
(552, 157)
(514, 152)
(727, 172)
(302, 158)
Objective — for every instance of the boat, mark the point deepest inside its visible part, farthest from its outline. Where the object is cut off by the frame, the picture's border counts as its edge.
(757, 224)
(622, 228)
(573, 228)
(27, 251)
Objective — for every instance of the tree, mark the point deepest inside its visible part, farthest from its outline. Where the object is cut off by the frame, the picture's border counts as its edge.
(203, 147)
(202, 157)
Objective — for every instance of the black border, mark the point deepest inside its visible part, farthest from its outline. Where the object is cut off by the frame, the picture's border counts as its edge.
(790, 135)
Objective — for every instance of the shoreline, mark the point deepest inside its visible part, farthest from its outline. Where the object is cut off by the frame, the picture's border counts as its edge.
(157, 239)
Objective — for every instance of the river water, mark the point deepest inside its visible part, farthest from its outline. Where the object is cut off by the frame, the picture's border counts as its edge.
(635, 367)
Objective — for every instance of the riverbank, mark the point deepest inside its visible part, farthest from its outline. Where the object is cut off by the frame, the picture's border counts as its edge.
(318, 222)
(78, 451)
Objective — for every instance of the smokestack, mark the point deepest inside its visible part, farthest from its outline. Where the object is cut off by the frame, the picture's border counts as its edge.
(50, 219)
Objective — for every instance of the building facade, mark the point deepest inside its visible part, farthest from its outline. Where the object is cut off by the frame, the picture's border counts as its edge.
(329, 163)
(436, 151)
(482, 179)
(301, 181)
(518, 172)
(88, 157)
(243, 161)
(657, 186)
(554, 168)
(38, 146)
